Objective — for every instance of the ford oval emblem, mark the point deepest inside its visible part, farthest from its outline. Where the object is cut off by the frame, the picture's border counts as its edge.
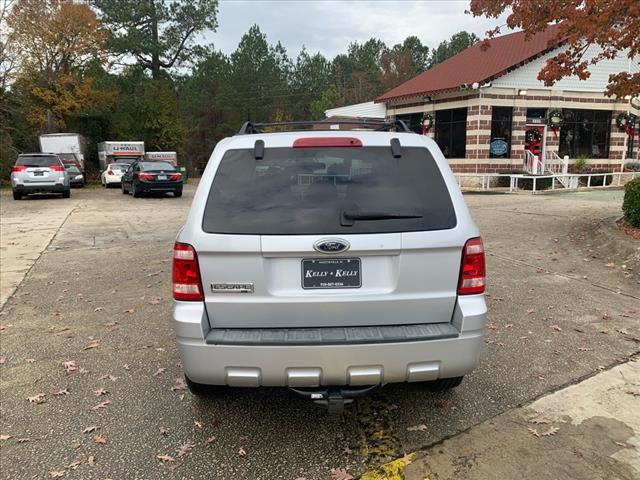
(331, 245)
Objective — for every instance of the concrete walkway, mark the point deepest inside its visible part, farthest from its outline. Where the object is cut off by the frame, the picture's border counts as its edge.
(25, 233)
(586, 431)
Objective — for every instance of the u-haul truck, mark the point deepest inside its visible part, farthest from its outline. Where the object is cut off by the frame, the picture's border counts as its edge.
(121, 152)
(170, 157)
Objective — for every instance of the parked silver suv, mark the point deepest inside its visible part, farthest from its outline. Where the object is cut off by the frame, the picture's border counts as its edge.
(328, 261)
(39, 173)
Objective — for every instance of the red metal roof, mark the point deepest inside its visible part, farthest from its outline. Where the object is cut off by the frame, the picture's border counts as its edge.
(476, 64)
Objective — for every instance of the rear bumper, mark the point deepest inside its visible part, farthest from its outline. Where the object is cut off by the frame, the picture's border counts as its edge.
(355, 364)
(159, 186)
(43, 188)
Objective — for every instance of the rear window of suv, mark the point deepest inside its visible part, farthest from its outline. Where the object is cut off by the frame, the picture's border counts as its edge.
(308, 191)
(37, 160)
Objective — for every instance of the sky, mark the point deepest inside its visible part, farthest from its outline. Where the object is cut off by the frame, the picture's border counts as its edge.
(329, 26)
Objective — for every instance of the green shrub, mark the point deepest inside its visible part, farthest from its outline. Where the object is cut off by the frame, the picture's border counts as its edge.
(631, 203)
(580, 163)
(596, 181)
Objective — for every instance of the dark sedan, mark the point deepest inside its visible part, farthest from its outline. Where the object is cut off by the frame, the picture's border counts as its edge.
(76, 177)
(152, 177)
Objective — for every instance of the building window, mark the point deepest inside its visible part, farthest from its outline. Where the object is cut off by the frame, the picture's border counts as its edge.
(585, 133)
(451, 132)
(500, 146)
(412, 120)
(536, 116)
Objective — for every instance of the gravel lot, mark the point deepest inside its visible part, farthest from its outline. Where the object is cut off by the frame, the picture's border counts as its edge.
(564, 304)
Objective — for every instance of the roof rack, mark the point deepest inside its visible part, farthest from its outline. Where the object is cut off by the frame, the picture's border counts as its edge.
(250, 128)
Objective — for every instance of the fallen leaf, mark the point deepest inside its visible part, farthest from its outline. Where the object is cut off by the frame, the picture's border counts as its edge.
(2, 360)
(90, 429)
(530, 311)
(551, 431)
(97, 309)
(56, 473)
(533, 432)
(30, 360)
(164, 431)
(126, 366)
(100, 440)
(241, 452)
(557, 328)
(62, 391)
(37, 399)
(69, 366)
(340, 474)
(73, 466)
(91, 461)
(347, 450)
(442, 403)
(210, 440)
(197, 423)
(100, 392)
(165, 458)
(180, 384)
(110, 377)
(4, 437)
(417, 428)
(101, 405)
(605, 316)
(508, 325)
(130, 310)
(159, 372)
(93, 344)
(184, 449)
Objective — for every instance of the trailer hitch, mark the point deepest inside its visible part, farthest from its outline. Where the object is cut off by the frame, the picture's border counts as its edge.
(334, 399)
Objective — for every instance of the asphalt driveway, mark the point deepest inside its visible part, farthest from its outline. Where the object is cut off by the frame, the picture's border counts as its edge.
(87, 337)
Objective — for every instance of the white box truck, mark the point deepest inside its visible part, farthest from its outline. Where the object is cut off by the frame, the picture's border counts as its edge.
(170, 157)
(71, 147)
(121, 152)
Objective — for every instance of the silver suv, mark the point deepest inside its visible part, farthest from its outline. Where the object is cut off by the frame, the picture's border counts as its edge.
(329, 261)
(39, 173)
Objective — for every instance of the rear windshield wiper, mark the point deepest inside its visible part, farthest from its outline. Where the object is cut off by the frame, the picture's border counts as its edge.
(348, 217)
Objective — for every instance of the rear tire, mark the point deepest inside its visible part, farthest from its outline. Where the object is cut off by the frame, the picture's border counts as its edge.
(443, 384)
(136, 192)
(17, 196)
(124, 191)
(199, 389)
(66, 194)
(177, 193)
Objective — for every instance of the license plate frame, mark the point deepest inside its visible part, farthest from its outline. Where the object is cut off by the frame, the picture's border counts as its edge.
(330, 266)
(162, 177)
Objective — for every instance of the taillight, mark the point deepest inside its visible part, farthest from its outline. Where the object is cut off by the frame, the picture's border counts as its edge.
(472, 270)
(18, 168)
(312, 142)
(186, 274)
(145, 176)
(110, 172)
(56, 168)
(175, 176)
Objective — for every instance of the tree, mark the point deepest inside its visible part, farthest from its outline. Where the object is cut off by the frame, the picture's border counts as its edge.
(56, 42)
(613, 26)
(403, 62)
(158, 34)
(458, 42)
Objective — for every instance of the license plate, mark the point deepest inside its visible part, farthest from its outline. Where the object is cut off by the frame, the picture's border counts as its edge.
(331, 273)
(38, 174)
(162, 177)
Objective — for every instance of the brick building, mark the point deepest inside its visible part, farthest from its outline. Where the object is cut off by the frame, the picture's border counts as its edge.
(484, 99)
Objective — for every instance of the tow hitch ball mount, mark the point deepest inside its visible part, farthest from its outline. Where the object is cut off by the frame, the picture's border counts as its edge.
(334, 399)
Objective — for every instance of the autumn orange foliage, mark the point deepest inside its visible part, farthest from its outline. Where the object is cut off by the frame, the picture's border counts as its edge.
(56, 42)
(612, 25)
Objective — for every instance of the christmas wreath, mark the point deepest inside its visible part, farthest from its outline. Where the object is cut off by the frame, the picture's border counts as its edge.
(626, 121)
(426, 122)
(533, 135)
(555, 119)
